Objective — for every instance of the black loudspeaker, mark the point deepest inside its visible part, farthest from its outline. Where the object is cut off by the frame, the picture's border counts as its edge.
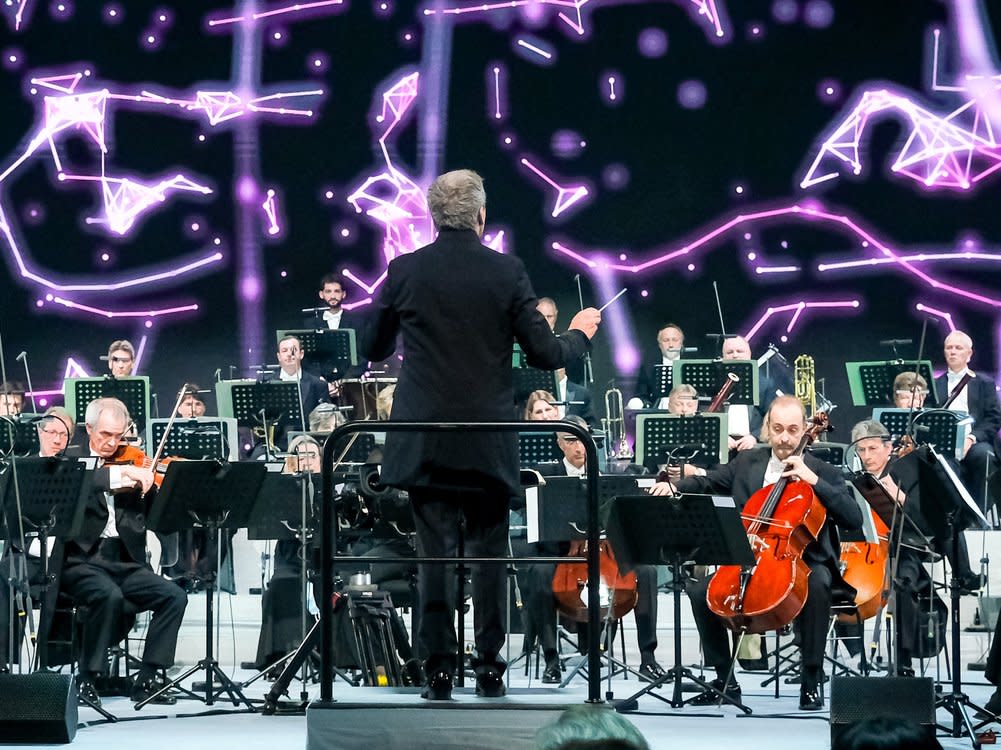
(37, 709)
(855, 699)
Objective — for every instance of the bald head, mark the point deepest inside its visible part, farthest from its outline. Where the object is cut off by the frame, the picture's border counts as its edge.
(736, 347)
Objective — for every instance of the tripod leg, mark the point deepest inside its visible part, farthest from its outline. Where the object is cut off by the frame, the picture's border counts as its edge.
(293, 664)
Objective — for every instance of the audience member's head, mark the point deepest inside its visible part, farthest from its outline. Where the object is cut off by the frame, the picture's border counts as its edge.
(886, 734)
(590, 728)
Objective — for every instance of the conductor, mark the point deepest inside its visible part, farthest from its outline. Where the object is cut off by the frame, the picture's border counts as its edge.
(460, 307)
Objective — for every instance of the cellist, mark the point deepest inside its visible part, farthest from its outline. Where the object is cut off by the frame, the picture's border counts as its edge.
(751, 470)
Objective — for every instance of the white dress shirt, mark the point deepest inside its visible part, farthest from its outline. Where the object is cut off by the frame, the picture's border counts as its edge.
(333, 319)
(573, 471)
(962, 402)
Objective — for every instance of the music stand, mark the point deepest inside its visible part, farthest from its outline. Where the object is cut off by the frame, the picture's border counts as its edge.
(212, 495)
(556, 511)
(950, 510)
(831, 453)
(260, 404)
(871, 383)
(946, 430)
(707, 376)
(674, 530)
(528, 379)
(657, 435)
(131, 391)
(19, 435)
(663, 382)
(536, 448)
(359, 452)
(198, 438)
(332, 351)
(51, 494)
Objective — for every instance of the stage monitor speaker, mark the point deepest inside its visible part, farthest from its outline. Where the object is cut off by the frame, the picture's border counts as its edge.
(856, 699)
(37, 709)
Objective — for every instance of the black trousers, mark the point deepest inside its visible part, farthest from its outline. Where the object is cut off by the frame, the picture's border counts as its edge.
(103, 581)
(811, 624)
(33, 569)
(441, 515)
(541, 608)
(976, 467)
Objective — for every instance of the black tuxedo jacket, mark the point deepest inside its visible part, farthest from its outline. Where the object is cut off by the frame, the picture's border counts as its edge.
(584, 409)
(645, 381)
(744, 476)
(460, 307)
(349, 319)
(982, 398)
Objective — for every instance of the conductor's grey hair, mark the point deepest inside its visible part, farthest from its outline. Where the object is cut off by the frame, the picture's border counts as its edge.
(455, 199)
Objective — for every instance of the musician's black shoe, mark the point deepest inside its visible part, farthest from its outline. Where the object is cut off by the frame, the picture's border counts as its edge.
(809, 699)
(711, 697)
(991, 708)
(143, 689)
(651, 671)
(489, 683)
(87, 693)
(413, 673)
(438, 686)
(905, 671)
(553, 674)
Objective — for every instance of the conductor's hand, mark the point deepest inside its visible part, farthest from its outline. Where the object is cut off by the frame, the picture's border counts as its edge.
(140, 477)
(586, 321)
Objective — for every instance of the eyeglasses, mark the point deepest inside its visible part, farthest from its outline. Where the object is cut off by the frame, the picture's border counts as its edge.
(48, 431)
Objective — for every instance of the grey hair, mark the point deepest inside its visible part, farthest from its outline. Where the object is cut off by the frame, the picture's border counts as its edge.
(61, 414)
(683, 389)
(869, 428)
(100, 405)
(455, 199)
(582, 724)
(575, 419)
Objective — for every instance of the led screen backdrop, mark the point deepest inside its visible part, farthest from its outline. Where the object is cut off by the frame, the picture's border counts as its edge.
(181, 174)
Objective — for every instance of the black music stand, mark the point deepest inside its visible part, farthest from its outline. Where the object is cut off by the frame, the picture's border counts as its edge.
(358, 452)
(528, 379)
(674, 530)
(211, 495)
(871, 383)
(951, 510)
(663, 382)
(557, 510)
(658, 435)
(261, 403)
(131, 391)
(707, 376)
(946, 430)
(52, 494)
(198, 438)
(19, 435)
(536, 448)
(332, 351)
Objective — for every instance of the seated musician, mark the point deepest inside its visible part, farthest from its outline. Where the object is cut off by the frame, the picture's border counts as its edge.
(744, 420)
(575, 398)
(900, 480)
(909, 392)
(11, 399)
(540, 597)
(192, 405)
(670, 343)
(121, 358)
(312, 390)
(54, 432)
(105, 565)
(979, 399)
(683, 400)
(750, 471)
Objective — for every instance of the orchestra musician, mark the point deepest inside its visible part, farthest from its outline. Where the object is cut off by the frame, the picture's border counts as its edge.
(575, 370)
(899, 478)
(11, 399)
(54, 433)
(332, 293)
(751, 470)
(541, 601)
(192, 405)
(670, 343)
(744, 420)
(105, 565)
(460, 308)
(312, 390)
(979, 399)
(121, 358)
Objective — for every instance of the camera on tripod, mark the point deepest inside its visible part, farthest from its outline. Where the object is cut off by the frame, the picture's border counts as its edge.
(369, 506)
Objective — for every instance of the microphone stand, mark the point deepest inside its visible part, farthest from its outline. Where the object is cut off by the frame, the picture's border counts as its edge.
(23, 357)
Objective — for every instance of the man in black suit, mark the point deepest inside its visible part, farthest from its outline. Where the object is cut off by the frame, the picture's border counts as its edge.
(331, 314)
(670, 344)
(576, 370)
(105, 565)
(539, 599)
(979, 399)
(747, 473)
(745, 420)
(312, 390)
(460, 307)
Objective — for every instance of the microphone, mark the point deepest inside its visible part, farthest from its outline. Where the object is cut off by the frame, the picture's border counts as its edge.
(21, 357)
(896, 342)
(687, 349)
(217, 374)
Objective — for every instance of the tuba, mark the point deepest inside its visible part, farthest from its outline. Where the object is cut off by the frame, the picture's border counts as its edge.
(614, 424)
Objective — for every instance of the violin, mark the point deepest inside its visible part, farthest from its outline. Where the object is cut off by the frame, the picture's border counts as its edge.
(570, 582)
(782, 520)
(128, 454)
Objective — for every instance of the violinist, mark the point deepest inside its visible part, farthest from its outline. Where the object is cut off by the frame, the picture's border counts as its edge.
(900, 481)
(105, 565)
(573, 464)
(977, 397)
(751, 470)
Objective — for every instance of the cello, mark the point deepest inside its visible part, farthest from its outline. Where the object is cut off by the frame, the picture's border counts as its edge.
(781, 520)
